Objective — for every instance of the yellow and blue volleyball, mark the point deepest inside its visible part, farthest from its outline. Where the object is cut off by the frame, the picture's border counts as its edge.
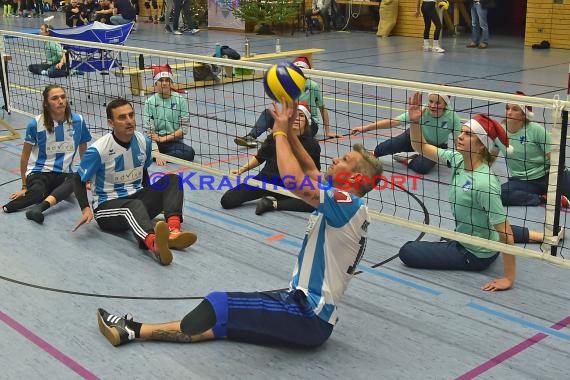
(443, 5)
(284, 81)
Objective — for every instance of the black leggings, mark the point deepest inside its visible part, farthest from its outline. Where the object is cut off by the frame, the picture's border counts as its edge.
(40, 185)
(430, 15)
(52, 71)
(136, 211)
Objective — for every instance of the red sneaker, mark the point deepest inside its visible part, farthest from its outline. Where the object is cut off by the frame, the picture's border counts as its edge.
(181, 239)
(161, 248)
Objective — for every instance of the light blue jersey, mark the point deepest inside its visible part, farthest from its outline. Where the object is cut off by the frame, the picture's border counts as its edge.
(115, 172)
(165, 116)
(54, 152)
(333, 246)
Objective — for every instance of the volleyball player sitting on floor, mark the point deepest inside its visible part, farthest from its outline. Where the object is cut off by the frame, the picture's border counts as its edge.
(475, 199)
(312, 95)
(438, 120)
(55, 64)
(123, 198)
(303, 315)
(52, 140)
(166, 115)
(268, 200)
(529, 162)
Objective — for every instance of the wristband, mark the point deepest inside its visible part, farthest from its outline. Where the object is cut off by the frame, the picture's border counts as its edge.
(24, 187)
(279, 133)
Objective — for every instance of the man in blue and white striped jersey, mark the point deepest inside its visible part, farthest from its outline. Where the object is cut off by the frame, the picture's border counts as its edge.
(123, 199)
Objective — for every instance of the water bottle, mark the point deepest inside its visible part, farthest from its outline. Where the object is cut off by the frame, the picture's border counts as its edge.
(246, 48)
(218, 49)
(277, 46)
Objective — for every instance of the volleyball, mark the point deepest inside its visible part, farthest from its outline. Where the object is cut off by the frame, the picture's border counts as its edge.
(443, 5)
(284, 81)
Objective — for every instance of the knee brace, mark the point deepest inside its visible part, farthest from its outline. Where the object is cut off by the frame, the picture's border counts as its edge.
(199, 320)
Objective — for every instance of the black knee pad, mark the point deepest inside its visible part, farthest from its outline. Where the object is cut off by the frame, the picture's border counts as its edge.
(199, 320)
(146, 4)
(154, 4)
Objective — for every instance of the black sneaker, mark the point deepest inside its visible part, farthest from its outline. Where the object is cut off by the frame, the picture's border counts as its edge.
(35, 214)
(115, 328)
(263, 205)
(247, 140)
(167, 29)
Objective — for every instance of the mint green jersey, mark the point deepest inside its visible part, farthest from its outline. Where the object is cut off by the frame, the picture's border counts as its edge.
(163, 116)
(54, 52)
(475, 198)
(530, 144)
(436, 130)
(314, 97)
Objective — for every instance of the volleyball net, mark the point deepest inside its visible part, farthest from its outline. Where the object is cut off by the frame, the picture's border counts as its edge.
(228, 106)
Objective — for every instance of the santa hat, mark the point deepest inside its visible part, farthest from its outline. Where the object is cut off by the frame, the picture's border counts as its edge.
(161, 71)
(446, 97)
(527, 110)
(304, 106)
(489, 130)
(302, 62)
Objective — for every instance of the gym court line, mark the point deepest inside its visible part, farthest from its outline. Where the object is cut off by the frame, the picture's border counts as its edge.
(511, 352)
(48, 348)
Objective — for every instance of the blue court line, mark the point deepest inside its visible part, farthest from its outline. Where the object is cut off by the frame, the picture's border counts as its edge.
(520, 321)
(411, 284)
(297, 244)
(242, 225)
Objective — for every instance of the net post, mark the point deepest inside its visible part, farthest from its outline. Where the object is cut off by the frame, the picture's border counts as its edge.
(568, 85)
(4, 58)
(560, 179)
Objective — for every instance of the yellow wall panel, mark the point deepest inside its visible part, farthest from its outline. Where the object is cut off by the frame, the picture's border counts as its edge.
(548, 21)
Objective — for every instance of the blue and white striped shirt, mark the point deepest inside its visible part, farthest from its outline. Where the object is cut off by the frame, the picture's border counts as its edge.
(54, 152)
(116, 172)
(333, 246)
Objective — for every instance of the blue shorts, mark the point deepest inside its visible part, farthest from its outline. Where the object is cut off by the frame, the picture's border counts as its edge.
(275, 317)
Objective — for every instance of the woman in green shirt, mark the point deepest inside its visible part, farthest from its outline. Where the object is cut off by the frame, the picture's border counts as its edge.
(438, 121)
(475, 199)
(529, 162)
(54, 66)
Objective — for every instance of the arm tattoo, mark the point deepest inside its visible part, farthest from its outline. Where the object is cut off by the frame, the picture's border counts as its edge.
(171, 336)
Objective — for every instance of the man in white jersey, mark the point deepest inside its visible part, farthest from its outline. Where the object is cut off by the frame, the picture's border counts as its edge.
(52, 140)
(117, 164)
(304, 314)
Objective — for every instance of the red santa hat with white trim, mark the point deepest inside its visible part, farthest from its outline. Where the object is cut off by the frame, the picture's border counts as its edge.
(302, 62)
(527, 110)
(445, 96)
(161, 71)
(488, 131)
(304, 107)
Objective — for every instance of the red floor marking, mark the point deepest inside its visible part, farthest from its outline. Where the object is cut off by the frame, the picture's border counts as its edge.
(515, 350)
(275, 237)
(51, 350)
